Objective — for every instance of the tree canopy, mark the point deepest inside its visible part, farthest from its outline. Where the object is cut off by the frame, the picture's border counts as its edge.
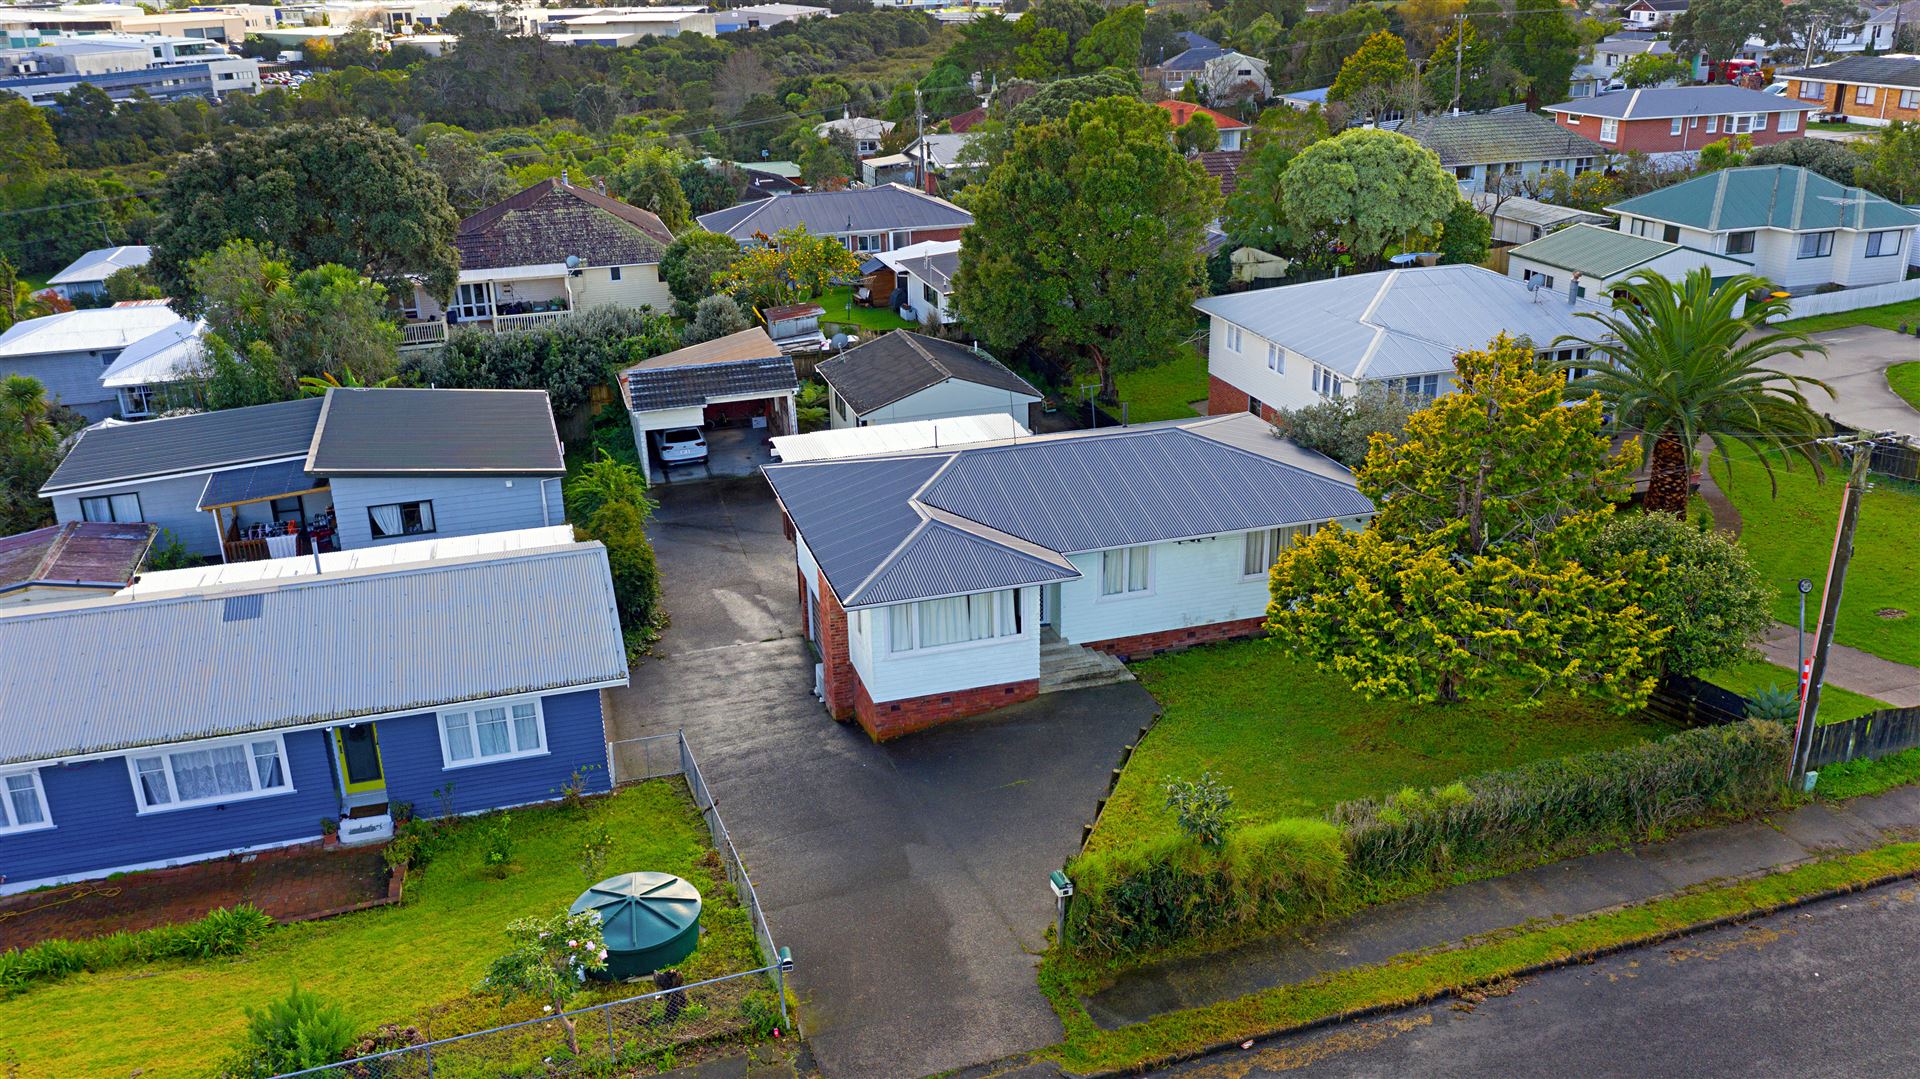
(1367, 188)
(1380, 61)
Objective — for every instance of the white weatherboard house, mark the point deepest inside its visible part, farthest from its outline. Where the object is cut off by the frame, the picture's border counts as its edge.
(1602, 259)
(87, 275)
(139, 375)
(1297, 345)
(903, 376)
(68, 352)
(947, 583)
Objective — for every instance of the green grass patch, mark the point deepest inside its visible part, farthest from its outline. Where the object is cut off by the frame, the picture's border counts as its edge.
(415, 963)
(1843, 126)
(843, 311)
(1419, 977)
(1858, 777)
(1836, 704)
(1904, 379)
(1791, 536)
(1887, 317)
(1292, 741)
(1165, 391)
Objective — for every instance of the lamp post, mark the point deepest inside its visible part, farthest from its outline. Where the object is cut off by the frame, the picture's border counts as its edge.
(1800, 672)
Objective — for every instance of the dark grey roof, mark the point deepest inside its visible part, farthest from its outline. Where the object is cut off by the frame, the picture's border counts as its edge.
(895, 365)
(937, 270)
(855, 209)
(1479, 138)
(1195, 58)
(120, 453)
(1666, 102)
(383, 431)
(275, 479)
(737, 365)
(916, 526)
(1872, 70)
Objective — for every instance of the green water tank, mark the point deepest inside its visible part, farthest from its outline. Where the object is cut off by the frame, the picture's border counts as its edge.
(650, 920)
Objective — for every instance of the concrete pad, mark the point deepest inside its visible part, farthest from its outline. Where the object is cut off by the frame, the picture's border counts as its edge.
(1821, 827)
(1897, 811)
(1716, 853)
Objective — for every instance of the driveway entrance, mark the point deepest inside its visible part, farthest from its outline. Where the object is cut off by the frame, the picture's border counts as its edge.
(910, 880)
(1856, 367)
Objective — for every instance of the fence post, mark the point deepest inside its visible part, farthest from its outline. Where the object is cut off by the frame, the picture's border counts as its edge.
(613, 1057)
(429, 1060)
(781, 961)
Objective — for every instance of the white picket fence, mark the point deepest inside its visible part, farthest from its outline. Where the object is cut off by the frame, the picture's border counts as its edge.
(1853, 299)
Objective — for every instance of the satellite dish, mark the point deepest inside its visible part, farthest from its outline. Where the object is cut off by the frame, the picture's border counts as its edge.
(573, 262)
(1533, 283)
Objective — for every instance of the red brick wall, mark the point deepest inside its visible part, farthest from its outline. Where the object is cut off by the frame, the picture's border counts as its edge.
(892, 719)
(1223, 399)
(838, 675)
(800, 575)
(1656, 136)
(921, 236)
(1141, 645)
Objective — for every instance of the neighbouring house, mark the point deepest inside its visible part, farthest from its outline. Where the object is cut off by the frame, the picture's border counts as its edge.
(1174, 72)
(742, 382)
(943, 584)
(1306, 100)
(1298, 345)
(1671, 124)
(69, 351)
(865, 132)
(1874, 90)
(1518, 219)
(764, 179)
(1232, 131)
(1801, 231)
(1494, 151)
(71, 561)
(1222, 75)
(1599, 259)
(950, 433)
(1224, 167)
(464, 673)
(918, 281)
(1881, 31)
(356, 468)
(964, 122)
(87, 275)
(145, 371)
(541, 255)
(1647, 14)
(903, 376)
(932, 155)
(866, 219)
(1602, 74)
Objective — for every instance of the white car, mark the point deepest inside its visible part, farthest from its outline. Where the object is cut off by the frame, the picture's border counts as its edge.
(681, 446)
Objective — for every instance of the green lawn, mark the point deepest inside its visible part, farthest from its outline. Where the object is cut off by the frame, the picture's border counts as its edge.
(1791, 536)
(1836, 704)
(1904, 379)
(1886, 316)
(1292, 741)
(1863, 129)
(415, 963)
(1165, 391)
(841, 309)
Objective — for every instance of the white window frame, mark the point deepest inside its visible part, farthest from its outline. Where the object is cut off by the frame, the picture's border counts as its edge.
(506, 704)
(1713, 124)
(1276, 359)
(1675, 126)
(1573, 119)
(1910, 99)
(1609, 129)
(428, 518)
(473, 301)
(1789, 121)
(1126, 591)
(175, 802)
(1875, 239)
(1823, 245)
(1813, 91)
(1008, 623)
(112, 505)
(1268, 539)
(9, 824)
(1233, 338)
(1865, 95)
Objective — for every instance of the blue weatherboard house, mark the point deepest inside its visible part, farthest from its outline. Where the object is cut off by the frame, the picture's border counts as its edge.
(206, 712)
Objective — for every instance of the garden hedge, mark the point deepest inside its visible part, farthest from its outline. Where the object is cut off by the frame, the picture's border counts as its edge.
(226, 931)
(1131, 899)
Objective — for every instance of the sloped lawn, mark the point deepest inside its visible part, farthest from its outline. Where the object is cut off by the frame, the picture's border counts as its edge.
(1165, 391)
(414, 964)
(868, 321)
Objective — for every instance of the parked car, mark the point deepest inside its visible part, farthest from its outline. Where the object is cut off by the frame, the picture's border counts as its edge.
(681, 446)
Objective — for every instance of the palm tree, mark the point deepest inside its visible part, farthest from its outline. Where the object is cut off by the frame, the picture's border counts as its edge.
(1679, 364)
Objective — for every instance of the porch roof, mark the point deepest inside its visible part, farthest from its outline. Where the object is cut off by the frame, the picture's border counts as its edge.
(258, 483)
(541, 272)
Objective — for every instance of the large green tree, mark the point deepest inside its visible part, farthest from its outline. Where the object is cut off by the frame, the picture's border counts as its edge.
(1720, 28)
(1697, 582)
(1468, 582)
(1678, 362)
(27, 146)
(691, 263)
(1892, 168)
(1543, 45)
(1366, 189)
(30, 437)
(650, 179)
(342, 192)
(1379, 63)
(1086, 239)
(1484, 74)
(1114, 41)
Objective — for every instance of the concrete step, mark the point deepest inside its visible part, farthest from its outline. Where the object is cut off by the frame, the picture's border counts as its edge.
(1065, 666)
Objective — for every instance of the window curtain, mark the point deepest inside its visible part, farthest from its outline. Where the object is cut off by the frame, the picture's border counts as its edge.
(24, 801)
(900, 628)
(962, 618)
(210, 773)
(526, 727)
(1113, 571)
(386, 519)
(491, 726)
(266, 765)
(125, 507)
(1137, 569)
(459, 736)
(426, 516)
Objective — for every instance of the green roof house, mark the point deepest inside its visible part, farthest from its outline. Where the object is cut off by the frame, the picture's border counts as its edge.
(1593, 260)
(1800, 230)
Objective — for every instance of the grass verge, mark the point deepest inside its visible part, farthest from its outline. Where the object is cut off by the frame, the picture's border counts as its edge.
(1886, 316)
(1420, 977)
(1165, 391)
(1904, 379)
(1836, 705)
(415, 964)
(1863, 776)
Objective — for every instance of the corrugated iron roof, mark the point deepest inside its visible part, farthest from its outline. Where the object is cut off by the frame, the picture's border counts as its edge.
(304, 650)
(101, 264)
(94, 552)
(1666, 102)
(1768, 196)
(825, 213)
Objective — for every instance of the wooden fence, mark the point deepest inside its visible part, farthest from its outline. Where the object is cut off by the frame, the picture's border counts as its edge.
(1874, 735)
(1693, 703)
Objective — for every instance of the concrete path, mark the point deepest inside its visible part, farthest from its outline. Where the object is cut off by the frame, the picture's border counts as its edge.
(1556, 892)
(1856, 368)
(1849, 668)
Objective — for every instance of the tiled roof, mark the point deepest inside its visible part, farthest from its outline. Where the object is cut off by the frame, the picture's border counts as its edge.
(1182, 111)
(826, 213)
(741, 363)
(1224, 166)
(1872, 70)
(962, 123)
(75, 553)
(1479, 138)
(1768, 196)
(1666, 102)
(552, 220)
(896, 365)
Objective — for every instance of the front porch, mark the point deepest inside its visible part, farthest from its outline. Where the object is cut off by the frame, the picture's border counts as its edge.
(267, 511)
(485, 300)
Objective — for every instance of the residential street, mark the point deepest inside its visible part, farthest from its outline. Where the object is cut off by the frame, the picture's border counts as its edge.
(1856, 368)
(909, 880)
(1805, 992)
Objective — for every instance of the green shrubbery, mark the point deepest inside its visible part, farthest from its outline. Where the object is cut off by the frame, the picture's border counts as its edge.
(227, 931)
(302, 1031)
(1171, 889)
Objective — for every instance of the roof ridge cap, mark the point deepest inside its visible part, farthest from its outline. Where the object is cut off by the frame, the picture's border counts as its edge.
(887, 559)
(51, 555)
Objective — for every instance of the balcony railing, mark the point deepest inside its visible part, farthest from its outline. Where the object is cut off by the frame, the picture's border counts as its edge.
(432, 333)
(425, 334)
(528, 321)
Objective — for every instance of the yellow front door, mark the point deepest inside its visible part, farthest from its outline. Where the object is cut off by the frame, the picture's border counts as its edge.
(359, 749)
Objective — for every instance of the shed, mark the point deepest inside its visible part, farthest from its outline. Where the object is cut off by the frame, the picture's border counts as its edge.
(795, 327)
(742, 378)
(903, 376)
(650, 921)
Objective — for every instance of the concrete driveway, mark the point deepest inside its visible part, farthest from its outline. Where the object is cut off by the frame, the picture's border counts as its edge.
(1856, 368)
(910, 879)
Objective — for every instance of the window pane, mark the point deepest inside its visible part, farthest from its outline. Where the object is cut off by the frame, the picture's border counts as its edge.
(980, 616)
(490, 725)
(125, 507)
(266, 765)
(900, 627)
(153, 780)
(943, 621)
(1137, 569)
(1253, 553)
(193, 775)
(1113, 567)
(459, 737)
(231, 774)
(25, 802)
(526, 727)
(426, 516)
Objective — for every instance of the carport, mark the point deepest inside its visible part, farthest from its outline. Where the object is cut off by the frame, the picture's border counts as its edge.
(739, 388)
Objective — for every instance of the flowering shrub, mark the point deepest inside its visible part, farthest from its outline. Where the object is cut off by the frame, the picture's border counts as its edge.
(550, 959)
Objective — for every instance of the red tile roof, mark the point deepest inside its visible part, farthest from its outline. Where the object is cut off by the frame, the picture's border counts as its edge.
(1224, 166)
(960, 124)
(1184, 110)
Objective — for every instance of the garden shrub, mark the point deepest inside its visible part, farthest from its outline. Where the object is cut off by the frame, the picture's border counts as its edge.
(304, 1030)
(227, 931)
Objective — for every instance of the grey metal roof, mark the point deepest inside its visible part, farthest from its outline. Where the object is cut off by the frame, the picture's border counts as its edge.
(876, 373)
(1666, 102)
(855, 209)
(937, 270)
(121, 453)
(305, 650)
(1395, 323)
(384, 431)
(275, 479)
(1194, 58)
(1528, 211)
(1871, 70)
(888, 530)
(682, 386)
(1504, 135)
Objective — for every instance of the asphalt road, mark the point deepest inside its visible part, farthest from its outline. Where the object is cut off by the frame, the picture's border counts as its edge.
(1820, 991)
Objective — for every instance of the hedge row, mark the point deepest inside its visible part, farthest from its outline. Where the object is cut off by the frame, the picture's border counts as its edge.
(1156, 893)
(226, 931)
